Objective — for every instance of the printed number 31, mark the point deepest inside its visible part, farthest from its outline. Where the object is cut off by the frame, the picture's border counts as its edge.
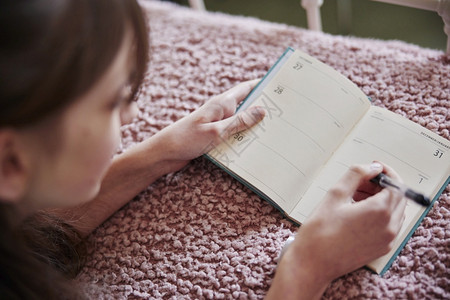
(438, 153)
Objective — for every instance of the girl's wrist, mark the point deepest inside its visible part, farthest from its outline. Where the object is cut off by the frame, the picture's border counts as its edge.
(160, 154)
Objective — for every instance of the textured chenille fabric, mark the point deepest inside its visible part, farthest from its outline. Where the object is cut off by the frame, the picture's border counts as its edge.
(198, 233)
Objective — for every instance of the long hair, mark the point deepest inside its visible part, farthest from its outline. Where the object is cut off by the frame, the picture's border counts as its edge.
(51, 53)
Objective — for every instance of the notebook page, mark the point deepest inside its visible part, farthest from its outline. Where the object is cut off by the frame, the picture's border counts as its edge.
(310, 108)
(420, 157)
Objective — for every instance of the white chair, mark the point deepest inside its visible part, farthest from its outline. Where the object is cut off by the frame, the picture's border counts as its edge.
(312, 7)
(197, 4)
(442, 7)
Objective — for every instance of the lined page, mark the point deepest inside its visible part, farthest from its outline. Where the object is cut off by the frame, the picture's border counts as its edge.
(419, 156)
(310, 108)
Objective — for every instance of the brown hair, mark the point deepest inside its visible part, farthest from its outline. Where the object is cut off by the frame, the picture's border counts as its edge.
(52, 52)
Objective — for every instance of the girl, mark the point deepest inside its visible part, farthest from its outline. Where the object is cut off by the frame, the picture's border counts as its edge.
(69, 71)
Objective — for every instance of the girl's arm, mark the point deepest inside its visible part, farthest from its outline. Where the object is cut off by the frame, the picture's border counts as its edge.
(167, 151)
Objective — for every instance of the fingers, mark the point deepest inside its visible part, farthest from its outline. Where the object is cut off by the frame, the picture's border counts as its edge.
(345, 188)
(239, 122)
(224, 105)
(398, 215)
(391, 197)
(368, 188)
(218, 115)
(240, 91)
(387, 204)
(391, 173)
(398, 201)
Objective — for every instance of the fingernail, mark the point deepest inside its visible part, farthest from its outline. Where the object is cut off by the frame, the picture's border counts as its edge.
(258, 112)
(376, 166)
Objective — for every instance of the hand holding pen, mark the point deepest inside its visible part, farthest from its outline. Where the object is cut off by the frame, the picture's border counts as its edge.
(386, 182)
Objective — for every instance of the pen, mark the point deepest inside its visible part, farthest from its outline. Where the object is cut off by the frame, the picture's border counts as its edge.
(385, 181)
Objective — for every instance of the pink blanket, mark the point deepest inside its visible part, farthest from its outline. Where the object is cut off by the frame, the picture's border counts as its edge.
(199, 234)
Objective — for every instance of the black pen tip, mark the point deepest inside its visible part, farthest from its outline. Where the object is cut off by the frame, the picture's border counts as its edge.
(424, 200)
(419, 198)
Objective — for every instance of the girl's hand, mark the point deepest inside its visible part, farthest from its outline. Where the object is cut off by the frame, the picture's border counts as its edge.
(208, 126)
(167, 151)
(342, 235)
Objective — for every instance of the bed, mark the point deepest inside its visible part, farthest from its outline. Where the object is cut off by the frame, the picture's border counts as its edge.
(198, 233)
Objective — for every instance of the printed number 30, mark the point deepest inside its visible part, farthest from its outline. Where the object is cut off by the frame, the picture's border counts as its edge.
(238, 136)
